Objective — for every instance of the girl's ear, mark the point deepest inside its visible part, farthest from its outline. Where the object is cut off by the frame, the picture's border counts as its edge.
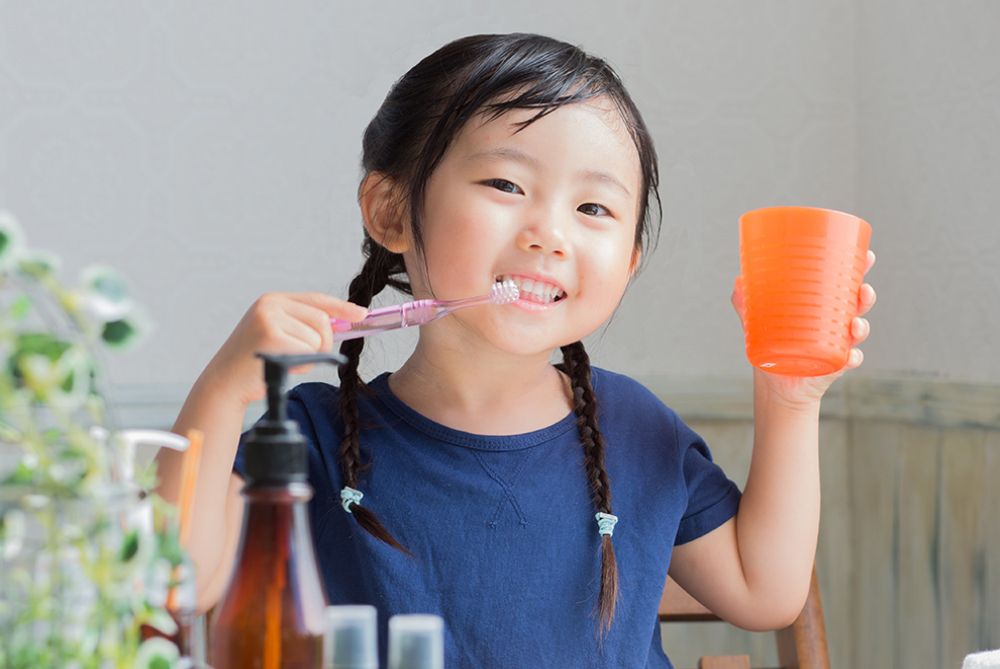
(634, 265)
(383, 212)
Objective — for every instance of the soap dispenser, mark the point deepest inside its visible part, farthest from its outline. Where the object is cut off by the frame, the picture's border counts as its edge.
(272, 614)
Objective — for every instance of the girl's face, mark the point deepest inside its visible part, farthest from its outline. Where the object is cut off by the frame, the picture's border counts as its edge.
(552, 207)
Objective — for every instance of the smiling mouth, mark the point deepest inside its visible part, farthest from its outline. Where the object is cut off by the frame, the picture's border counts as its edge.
(535, 291)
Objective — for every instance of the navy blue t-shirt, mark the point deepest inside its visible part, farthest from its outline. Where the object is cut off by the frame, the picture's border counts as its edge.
(502, 528)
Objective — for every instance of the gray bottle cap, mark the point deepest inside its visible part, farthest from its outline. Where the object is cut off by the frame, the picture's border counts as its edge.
(416, 642)
(350, 639)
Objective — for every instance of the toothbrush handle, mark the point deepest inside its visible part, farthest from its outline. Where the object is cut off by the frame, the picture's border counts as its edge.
(377, 320)
(401, 316)
(388, 318)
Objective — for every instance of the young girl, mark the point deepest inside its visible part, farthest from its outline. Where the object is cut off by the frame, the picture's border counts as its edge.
(480, 481)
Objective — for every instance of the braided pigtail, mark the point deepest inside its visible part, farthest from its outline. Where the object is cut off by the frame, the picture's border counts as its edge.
(577, 365)
(381, 268)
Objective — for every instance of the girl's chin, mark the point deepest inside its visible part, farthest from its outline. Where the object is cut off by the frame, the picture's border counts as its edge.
(531, 346)
(521, 332)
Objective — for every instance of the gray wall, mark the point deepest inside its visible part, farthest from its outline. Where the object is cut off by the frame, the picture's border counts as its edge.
(210, 151)
(929, 177)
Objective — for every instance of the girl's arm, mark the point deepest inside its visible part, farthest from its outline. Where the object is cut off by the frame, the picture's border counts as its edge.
(276, 323)
(755, 570)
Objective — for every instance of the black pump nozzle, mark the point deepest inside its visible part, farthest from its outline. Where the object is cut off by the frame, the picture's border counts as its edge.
(276, 453)
(276, 371)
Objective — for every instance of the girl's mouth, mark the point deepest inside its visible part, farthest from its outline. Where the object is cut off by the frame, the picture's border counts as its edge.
(534, 290)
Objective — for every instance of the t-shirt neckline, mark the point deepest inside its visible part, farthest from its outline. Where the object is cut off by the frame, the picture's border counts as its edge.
(380, 386)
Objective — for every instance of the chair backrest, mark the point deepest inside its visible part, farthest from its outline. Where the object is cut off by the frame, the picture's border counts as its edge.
(801, 645)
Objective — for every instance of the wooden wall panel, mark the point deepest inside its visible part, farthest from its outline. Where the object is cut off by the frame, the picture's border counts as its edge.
(963, 546)
(909, 549)
(834, 564)
(916, 614)
(872, 512)
(989, 634)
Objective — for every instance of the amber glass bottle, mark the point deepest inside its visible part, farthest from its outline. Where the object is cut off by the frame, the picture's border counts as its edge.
(272, 615)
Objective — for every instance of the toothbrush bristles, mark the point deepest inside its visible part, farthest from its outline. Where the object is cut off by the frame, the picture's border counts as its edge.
(504, 292)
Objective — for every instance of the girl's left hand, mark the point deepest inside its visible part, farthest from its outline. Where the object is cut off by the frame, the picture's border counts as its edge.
(809, 389)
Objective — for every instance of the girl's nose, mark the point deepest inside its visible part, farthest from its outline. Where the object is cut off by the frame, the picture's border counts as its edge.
(546, 235)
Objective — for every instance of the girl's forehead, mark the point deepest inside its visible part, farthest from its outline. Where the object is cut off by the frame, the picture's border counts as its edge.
(596, 123)
(520, 118)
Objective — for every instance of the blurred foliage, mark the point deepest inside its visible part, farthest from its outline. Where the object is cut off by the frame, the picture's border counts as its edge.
(86, 556)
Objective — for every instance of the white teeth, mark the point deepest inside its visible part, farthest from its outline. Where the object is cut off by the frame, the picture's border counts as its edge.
(536, 291)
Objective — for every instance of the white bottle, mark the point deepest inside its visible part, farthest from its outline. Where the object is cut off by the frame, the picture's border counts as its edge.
(416, 642)
(350, 639)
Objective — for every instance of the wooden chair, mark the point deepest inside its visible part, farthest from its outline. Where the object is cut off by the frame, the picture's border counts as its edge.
(802, 645)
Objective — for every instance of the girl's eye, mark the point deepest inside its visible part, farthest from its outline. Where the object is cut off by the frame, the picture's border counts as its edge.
(504, 185)
(591, 209)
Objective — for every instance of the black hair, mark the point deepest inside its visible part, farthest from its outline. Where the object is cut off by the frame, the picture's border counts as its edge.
(406, 140)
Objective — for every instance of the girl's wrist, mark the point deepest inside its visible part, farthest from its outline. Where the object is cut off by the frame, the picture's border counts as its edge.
(217, 388)
(786, 393)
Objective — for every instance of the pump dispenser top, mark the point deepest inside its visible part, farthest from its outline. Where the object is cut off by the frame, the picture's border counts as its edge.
(276, 452)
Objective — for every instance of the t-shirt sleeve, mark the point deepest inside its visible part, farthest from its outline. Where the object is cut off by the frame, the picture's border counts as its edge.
(323, 474)
(712, 497)
(240, 463)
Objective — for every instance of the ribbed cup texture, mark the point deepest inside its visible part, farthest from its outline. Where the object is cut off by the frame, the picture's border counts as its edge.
(801, 270)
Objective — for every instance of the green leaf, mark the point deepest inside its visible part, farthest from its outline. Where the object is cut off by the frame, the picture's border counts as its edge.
(159, 662)
(153, 652)
(20, 307)
(106, 282)
(118, 333)
(38, 263)
(161, 621)
(131, 546)
(21, 475)
(169, 547)
(41, 343)
(11, 241)
(67, 384)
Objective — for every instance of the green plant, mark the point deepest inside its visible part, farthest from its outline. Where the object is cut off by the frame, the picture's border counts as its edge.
(87, 557)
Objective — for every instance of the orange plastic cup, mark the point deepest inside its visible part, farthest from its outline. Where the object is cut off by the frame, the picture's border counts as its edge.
(801, 269)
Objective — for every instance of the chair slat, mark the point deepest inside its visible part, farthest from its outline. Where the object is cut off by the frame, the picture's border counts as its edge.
(725, 662)
(676, 605)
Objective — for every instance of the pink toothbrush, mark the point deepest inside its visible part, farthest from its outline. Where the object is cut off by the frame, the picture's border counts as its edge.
(418, 312)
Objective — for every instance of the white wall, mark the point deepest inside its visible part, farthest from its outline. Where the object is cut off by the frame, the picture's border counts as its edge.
(210, 151)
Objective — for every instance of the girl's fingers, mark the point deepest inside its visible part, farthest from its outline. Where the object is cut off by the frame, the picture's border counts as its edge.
(277, 323)
(866, 296)
(855, 358)
(309, 322)
(315, 311)
(294, 323)
(869, 260)
(860, 329)
(737, 298)
(333, 307)
(866, 299)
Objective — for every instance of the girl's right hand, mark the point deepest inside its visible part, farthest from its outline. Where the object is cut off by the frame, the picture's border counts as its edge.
(282, 323)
